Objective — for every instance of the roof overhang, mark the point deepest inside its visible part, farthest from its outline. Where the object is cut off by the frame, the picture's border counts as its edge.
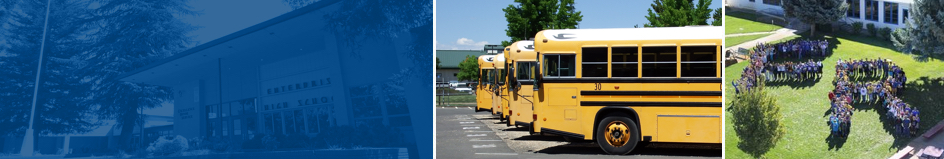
(288, 35)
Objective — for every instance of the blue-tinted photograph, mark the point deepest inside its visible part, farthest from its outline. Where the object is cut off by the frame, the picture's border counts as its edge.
(216, 79)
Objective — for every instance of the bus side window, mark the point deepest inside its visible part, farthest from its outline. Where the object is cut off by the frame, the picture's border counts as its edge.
(659, 61)
(625, 62)
(594, 61)
(559, 65)
(699, 61)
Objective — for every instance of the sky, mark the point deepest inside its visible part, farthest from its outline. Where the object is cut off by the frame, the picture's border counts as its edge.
(469, 25)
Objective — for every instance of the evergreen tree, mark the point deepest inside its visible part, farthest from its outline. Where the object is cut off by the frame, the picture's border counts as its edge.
(674, 13)
(531, 16)
(469, 69)
(137, 33)
(57, 104)
(716, 18)
(924, 33)
(815, 12)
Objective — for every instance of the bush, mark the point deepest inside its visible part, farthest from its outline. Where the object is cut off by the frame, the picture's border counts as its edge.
(872, 30)
(756, 119)
(857, 27)
(270, 142)
(341, 137)
(167, 145)
(886, 33)
(254, 143)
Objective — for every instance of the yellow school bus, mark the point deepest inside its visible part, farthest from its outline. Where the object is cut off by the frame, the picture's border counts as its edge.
(483, 95)
(622, 86)
(498, 83)
(520, 60)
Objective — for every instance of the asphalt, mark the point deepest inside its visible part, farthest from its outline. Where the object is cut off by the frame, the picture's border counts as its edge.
(463, 133)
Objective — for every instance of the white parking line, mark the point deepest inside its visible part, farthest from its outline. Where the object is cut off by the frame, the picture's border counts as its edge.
(496, 153)
(483, 146)
(477, 131)
(466, 122)
(474, 135)
(483, 140)
(471, 127)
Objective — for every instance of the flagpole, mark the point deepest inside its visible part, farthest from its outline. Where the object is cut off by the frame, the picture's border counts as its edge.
(27, 147)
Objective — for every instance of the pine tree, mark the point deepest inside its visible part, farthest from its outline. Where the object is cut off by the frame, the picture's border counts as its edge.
(815, 12)
(137, 33)
(674, 13)
(57, 104)
(924, 33)
(531, 16)
(716, 18)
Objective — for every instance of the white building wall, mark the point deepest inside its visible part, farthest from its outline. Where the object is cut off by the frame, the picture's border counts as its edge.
(758, 5)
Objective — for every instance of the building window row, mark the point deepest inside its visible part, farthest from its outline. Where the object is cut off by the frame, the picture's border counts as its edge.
(309, 120)
(871, 10)
(853, 10)
(891, 13)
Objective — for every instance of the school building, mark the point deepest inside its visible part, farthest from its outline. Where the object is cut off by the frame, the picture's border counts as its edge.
(882, 13)
(291, 75)
(449, 60)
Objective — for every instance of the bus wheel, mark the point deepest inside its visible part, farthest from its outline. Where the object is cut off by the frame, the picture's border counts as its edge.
(617, 135)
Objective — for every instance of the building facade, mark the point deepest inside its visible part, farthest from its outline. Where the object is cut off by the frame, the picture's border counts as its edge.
(882, 13)
(289, 76)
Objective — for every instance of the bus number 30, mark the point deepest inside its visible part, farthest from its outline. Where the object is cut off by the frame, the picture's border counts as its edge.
(597, 86)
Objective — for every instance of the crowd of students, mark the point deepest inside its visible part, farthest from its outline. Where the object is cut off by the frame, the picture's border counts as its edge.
(760, 65)
(847, 92)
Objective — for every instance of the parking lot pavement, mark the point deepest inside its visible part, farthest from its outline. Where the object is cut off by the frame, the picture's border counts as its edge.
(459, 135)
(512, 142)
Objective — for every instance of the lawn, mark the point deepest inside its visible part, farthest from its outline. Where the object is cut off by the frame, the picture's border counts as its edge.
(804, 107)
(740, 22)
(456, 100)
(731, 41)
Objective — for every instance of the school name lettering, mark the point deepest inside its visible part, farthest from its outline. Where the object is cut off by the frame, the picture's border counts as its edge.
(301, 102)
(301, 85)
(185, 113)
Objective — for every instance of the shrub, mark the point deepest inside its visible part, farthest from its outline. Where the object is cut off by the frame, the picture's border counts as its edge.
(857, 27)
(872, 30)
(254, 143)
(886, 33)
(167, 145)
(270, 142)
(296, 140)
(341, 137)
(756, 119)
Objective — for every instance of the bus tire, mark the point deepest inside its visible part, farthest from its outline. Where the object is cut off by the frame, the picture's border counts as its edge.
(617, 135)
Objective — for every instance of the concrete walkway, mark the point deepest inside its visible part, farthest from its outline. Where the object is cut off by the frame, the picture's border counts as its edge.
(778, 34)
(920, 143)
(751, 33)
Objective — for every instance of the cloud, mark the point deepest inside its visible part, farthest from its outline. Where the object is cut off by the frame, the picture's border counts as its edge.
(470, 42)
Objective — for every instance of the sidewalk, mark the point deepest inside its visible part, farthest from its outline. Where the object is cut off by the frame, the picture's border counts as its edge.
(920, 143)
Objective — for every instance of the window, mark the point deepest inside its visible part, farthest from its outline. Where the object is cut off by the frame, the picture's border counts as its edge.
(871, 10)
(237, 108)
(853, 11)
(659, 61)
(249, 106)
(251, 125)
(772, 2)
(290, 123)
(210, 130)
(625, 62)
(269, 126)
(891, 13)
(236, 127)
(299, 121)
(225, 128)
(226, 109)
(312, 120)
(277, 122)
(211, 111)
(594, 61)
(904, 14)
(559, 65)
(699, 61)
(525, 70)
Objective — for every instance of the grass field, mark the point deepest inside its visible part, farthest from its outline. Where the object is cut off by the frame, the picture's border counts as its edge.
(457, 100)
(731, 41)
(805, 105)
(739, 22)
